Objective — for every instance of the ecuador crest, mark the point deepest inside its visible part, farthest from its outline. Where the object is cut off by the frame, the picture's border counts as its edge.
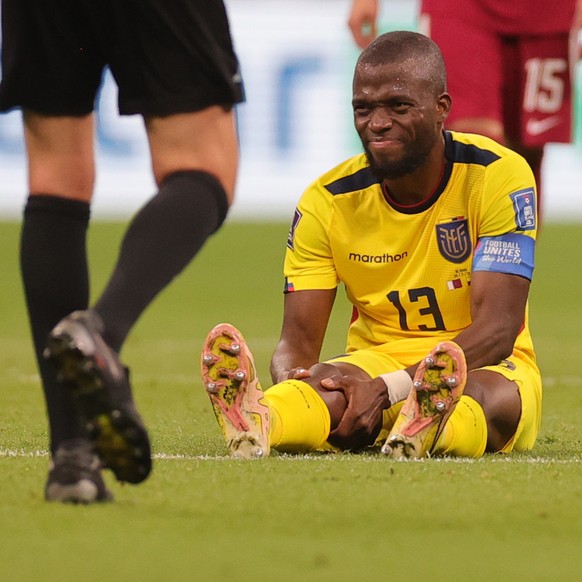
(454, 240)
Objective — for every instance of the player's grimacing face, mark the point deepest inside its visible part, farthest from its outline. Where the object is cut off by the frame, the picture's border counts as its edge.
(396, 117)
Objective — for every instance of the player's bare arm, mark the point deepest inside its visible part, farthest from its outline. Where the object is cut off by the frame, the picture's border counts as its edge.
(498, 303)
(305, 319)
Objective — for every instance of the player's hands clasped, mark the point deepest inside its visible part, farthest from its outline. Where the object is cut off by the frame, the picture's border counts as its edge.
(362, 419)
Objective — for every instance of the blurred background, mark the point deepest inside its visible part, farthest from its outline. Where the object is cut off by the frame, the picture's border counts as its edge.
(297, 60)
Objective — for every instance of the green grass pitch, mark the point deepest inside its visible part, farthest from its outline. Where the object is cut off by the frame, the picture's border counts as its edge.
(204, 517)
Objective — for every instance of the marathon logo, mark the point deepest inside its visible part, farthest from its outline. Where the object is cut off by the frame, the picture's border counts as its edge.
(378, 259)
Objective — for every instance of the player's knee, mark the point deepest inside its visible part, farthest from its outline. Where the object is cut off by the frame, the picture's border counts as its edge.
(205, 141)
(335, 400)
(501, 403)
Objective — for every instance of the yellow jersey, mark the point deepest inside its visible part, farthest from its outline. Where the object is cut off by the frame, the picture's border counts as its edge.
(407, 269)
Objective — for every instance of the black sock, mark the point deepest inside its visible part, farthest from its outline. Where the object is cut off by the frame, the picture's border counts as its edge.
(53, 264)
(162, 239)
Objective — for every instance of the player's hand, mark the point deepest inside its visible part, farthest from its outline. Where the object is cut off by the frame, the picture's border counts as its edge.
(362, 21)
(362, 419)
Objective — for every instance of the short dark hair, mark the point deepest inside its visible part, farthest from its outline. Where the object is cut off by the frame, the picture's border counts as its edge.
(402, 45)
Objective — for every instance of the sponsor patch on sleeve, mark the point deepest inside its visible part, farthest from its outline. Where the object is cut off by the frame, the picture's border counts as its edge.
(524, 204)
(509, 253)
(291, 236)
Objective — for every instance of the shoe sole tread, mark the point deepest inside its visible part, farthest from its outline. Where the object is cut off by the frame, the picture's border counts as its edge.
(120, 439)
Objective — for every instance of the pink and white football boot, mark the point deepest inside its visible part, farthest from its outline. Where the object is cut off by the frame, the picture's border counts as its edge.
(436, 387)
(230, 379)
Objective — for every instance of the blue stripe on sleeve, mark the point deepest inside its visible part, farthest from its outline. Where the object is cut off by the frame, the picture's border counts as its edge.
(509, 253)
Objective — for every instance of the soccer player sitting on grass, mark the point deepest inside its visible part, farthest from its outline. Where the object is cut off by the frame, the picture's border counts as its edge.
(432, 233)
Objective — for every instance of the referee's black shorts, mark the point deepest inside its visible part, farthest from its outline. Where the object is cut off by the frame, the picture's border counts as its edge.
(166, 56)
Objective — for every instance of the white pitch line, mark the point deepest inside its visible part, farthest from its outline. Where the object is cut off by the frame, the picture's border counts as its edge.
(10, 453)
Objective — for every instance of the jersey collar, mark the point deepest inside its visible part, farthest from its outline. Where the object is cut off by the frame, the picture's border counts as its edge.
(434, 196)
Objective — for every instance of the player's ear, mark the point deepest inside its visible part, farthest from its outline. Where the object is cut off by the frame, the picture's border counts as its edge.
(444, 102)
